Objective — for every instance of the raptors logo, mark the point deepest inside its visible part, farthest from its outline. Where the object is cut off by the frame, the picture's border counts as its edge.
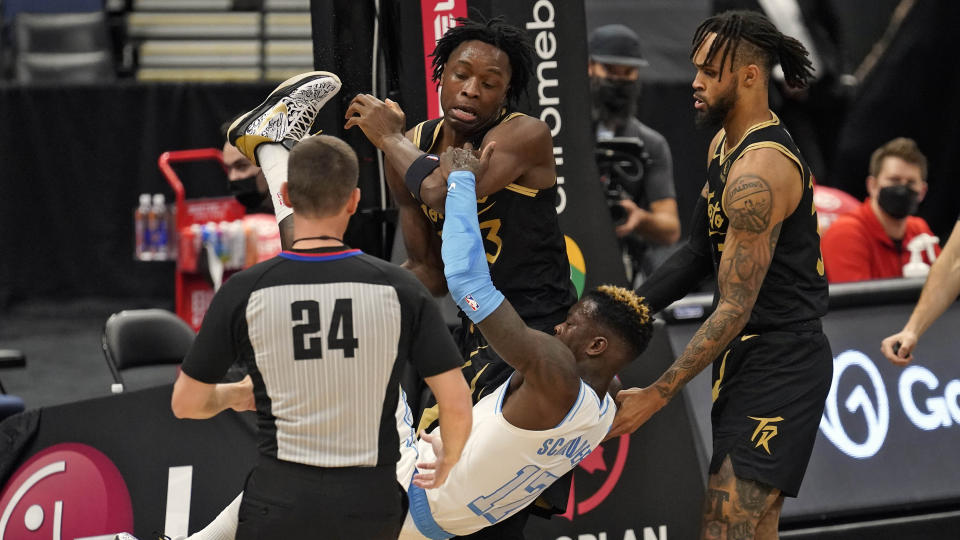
(69, 490)
(608, 458)
(766, 430)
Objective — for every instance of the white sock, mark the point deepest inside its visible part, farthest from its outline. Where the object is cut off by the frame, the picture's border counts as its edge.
(224, 526)
(273, 162)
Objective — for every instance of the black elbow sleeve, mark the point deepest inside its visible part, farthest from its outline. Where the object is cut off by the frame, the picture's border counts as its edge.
(684, 270)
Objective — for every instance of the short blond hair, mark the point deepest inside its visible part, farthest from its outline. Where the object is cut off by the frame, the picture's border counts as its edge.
(624, 312)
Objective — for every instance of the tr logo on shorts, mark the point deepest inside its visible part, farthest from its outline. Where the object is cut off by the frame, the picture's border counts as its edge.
(766, 431)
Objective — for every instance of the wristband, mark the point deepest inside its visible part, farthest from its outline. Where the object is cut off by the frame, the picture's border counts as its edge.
(418, 171)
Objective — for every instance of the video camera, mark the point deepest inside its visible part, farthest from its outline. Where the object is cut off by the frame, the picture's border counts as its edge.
(622, 162)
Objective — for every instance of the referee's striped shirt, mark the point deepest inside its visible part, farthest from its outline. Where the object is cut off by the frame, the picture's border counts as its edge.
(324, 334)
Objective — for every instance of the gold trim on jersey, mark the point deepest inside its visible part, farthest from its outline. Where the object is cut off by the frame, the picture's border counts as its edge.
(417, 129)
(436, 133)
(776, 146)
(485, 208)
(522, 190)
(766, 123)
(716, 151)
(418, 134)
(511, 116)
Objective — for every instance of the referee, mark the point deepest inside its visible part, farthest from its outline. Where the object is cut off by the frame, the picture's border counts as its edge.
(325, 332)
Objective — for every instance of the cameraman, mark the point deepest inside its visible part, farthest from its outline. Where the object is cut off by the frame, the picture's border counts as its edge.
(651, 223)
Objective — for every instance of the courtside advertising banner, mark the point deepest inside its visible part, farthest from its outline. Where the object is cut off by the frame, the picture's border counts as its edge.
(889, 435)
(436, 17)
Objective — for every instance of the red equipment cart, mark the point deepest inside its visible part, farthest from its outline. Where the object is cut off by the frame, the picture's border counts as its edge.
(194, 290)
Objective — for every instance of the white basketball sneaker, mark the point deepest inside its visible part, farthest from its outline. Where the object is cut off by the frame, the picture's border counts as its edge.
(286, 115)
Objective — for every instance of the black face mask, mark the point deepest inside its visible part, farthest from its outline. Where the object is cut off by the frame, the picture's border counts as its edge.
(899, 201)
(246, 192)
(614, 98)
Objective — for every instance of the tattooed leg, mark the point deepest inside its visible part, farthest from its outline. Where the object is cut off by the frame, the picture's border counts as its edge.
(734, 507)
(768, 528)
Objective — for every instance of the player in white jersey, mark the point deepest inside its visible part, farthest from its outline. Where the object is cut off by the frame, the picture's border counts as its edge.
(504, 468)
(551, 413)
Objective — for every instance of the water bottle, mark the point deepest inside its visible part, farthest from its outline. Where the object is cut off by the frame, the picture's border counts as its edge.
(196, 233)
(158, 226)
(142, 250)
(921, 243)
(238, 245)
(223, 241)
(208, 237)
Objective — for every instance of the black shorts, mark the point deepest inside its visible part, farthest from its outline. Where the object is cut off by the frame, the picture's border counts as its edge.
(482, 367)
(768, 397)
(282, 499)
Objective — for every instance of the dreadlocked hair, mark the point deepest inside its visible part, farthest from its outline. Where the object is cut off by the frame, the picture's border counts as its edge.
(508, 38)
(624, 312)
(765, 45)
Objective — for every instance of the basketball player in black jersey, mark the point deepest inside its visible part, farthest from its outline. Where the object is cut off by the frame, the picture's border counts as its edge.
(482, 67)
(755, 224)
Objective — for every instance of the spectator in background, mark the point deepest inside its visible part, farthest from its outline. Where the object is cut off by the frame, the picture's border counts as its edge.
(871, 242)
(247, 182)
(651, 222)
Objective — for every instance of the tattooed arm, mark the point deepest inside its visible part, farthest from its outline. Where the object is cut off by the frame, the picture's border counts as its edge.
(764, 187)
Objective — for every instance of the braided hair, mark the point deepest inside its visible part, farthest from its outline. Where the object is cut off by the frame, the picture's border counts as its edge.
(508, 38)
(765, 45)
(624, 312)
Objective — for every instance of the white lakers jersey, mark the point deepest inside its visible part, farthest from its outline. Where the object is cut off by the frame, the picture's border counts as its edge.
(503, 468)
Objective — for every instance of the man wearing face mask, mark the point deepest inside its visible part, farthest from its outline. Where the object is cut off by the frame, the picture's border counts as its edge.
(651, 223)
(247, 182)
(871, 242)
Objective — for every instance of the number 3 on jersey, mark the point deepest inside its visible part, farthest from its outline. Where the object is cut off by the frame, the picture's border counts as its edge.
(307, 345)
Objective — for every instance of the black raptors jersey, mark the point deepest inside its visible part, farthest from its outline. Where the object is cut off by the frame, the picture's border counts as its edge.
(525, 249)
(794, 288)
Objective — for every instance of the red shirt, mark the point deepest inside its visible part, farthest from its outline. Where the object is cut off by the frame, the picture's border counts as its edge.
(856, 248)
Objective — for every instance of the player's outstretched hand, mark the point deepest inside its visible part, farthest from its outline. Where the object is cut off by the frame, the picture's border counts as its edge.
(898, 348)
(466, 159)
(634, 407)
(379, 120)
(436, 471)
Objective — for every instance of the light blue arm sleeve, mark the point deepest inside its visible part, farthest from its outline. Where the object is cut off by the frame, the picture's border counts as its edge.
(464, 260)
